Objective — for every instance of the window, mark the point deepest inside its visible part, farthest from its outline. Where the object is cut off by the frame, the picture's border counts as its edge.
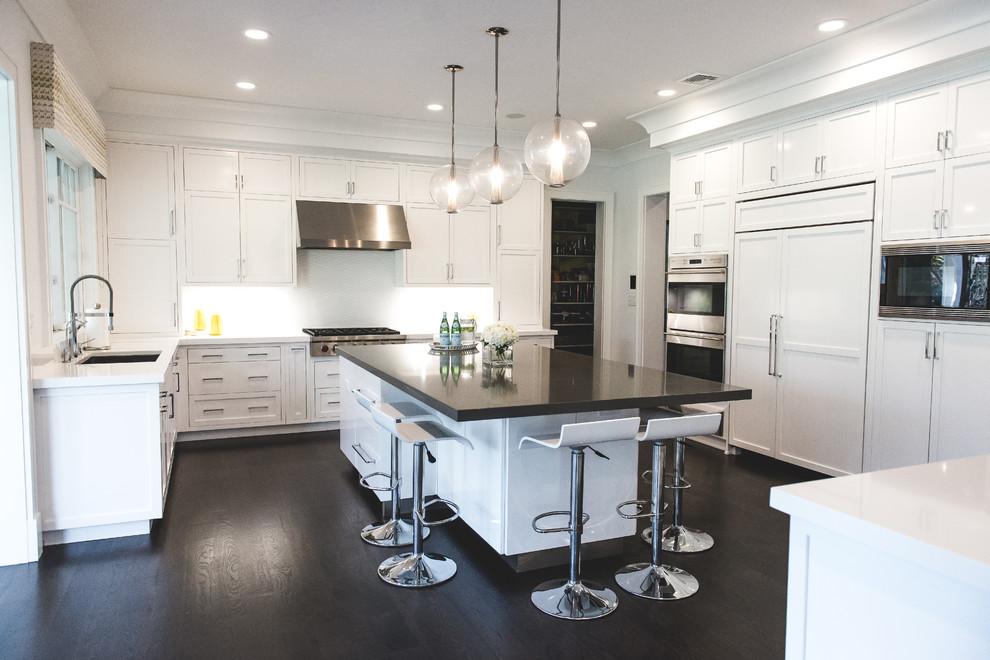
(63, 232)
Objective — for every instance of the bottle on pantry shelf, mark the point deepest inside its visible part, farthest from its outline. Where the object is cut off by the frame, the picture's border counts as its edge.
(455, 331)
(444, 331)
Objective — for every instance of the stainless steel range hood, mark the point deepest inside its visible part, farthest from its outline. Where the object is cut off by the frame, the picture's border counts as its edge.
(346, 226)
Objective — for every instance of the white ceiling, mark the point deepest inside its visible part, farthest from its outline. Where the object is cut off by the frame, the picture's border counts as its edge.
(386, 57)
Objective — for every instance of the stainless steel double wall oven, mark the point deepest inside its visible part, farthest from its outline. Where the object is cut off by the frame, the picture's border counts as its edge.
(695, 332)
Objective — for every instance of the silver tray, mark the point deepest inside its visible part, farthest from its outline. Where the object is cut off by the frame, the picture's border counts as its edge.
(463, 348)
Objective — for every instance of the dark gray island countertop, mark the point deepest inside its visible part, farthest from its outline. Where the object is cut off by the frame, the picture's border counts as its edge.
(541, 381)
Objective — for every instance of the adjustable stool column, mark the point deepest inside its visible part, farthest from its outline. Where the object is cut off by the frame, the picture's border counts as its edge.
(656, 580)
(416, 569)
(573, 598)
(676, 536)
(395, 532)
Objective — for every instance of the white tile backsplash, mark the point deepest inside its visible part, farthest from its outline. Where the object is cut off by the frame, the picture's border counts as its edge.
(337, 288)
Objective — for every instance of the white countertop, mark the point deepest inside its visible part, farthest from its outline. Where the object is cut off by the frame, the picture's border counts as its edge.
(54, 374)
(937, 514)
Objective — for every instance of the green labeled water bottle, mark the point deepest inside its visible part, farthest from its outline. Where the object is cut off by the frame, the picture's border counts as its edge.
(455, 331)
(444, 331)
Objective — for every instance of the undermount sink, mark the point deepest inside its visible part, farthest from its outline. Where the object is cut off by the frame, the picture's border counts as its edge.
(119, 358)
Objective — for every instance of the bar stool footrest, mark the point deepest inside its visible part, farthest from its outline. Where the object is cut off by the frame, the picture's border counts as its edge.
(641, 505)
(392, 485)
(549, 530)
(438, 500)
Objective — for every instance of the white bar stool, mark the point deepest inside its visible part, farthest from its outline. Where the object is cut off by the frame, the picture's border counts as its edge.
(677, 537)
(572, 598)
(656, 580)
(397, 531)
(416, 568)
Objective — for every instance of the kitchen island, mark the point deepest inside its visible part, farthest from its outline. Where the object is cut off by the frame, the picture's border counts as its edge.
(500, 486)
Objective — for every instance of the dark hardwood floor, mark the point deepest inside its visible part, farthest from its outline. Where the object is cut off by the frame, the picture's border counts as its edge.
(258, 556)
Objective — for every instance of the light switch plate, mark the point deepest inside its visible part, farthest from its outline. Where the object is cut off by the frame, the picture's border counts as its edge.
(631, 301)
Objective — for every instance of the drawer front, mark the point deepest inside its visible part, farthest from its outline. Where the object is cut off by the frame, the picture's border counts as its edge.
(326, 373)
(235, 353)
(217, 411)
(234, 377)
(328, 404)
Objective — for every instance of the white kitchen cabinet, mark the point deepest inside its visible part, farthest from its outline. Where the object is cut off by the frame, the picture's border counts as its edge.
(930, 396)
(944, 121)
(268, 239)
(234, 386)
(519, 221)
(839, 144)
(325, 389)
(701, 227)
(215, 170)
(702, 174)
(938, 199)
(141, 191)
(295, 390)
(449, 248)
(520, 290)
(144, 279)
(798, 340)
(352, 180)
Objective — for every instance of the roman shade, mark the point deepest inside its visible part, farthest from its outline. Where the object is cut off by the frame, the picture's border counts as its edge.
(59, 104)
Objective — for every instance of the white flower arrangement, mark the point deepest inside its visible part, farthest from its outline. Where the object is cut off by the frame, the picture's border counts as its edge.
(500, 335)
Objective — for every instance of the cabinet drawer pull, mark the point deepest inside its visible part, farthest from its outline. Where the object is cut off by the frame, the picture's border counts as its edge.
(213, 355)
(360, 452)
(265, 354)
(251, 408)
(947, 134)
(818, 160)
(257, 377)
(928, 338)
(945, 218)
(214, 378)
(212, 410)
(773, 173)
(935, 219)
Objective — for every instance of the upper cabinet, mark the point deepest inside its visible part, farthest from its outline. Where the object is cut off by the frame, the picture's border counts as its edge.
(238, 217)
(944, 121)
(519, 221)
(348, 180)
(839, 144)
(448, 248)
(141, 191)
(700, 175)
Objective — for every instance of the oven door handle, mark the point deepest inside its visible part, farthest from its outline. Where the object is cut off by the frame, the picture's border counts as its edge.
(716, 342)
(716, 276)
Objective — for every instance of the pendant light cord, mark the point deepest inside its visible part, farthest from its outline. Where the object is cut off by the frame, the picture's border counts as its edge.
(497, 35)
(558, 59)
(453, 72)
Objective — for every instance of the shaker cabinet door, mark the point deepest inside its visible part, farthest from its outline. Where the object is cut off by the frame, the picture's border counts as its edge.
(213, 250)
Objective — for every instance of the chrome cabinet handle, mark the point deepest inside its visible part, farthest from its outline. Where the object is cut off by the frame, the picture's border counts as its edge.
(242, 182)
(171, 406)
(935, 219)
(823, 164)
(935, 346)
(928, 337)
(214, 378)
(360, 452)
(773, 173)
(945, 218)
(948, 133)
(171, 222)
(177, 386)
(817, 161)
(770, 349)
(938, 142)
(498, 235)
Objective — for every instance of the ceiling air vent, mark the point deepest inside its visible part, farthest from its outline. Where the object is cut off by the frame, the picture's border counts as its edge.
(699, 79)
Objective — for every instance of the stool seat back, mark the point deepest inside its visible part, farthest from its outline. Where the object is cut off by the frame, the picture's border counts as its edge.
(667, 424)
(582, 434)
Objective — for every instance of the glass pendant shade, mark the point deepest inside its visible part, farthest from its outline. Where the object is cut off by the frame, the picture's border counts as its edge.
(496, 174)
(557, 151)
(450, 188)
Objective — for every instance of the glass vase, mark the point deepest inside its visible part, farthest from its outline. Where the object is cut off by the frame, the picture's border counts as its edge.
(497, 356)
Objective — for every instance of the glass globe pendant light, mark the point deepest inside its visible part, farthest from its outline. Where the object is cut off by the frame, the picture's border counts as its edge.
(449, 185)
(557, 150)
(496, 174)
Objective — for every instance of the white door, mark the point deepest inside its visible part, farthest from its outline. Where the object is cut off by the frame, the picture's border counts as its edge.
(821, 346)
(429, 231)
(799, 152)
(758, 161)
(960, 412)
(716, 225)
(141, 191)
(210, 170)
(520, 288)
(265, 174)
(267, 239)
(213, 242)
(520, 219)
(968, 117)
(685, 226)
(903, 395)
(145, 290)
(324, 178)
(685, 173)
(755, 299)
(914, 121)
(471, 246)
(716, 171)
(966, 196)
(849, 142)
(912, 202)
(374, 182)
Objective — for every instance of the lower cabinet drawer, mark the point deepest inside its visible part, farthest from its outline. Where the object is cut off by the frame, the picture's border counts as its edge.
(328, 404)
(234, 377)
(234, 411)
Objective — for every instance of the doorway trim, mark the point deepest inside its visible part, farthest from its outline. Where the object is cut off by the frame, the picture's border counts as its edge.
(641, 195)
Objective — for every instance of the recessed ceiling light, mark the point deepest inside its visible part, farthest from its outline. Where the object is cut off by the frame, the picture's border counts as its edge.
(833, 25)
(256, 33)
(435, 107)
(589, 124)
(666, 92)
(246, 85)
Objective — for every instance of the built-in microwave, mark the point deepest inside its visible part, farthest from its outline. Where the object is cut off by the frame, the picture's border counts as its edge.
(940, 281)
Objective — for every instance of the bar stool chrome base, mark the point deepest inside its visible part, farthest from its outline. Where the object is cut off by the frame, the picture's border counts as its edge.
(412, 570)
(656, 582)
(574, 600)
(390, 534)
(681, 539)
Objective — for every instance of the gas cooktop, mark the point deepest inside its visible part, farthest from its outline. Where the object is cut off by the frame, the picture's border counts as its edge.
(334, 333)
(325, 340)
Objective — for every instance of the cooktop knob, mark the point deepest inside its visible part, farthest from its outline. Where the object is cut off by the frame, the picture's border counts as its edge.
(324, 348)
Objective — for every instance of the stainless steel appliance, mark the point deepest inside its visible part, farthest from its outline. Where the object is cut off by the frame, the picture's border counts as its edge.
(936, 281)
(326, 340)
(351, 226)
(695, 332)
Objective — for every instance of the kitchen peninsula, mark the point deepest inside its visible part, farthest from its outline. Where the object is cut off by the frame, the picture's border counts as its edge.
(499, 486)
